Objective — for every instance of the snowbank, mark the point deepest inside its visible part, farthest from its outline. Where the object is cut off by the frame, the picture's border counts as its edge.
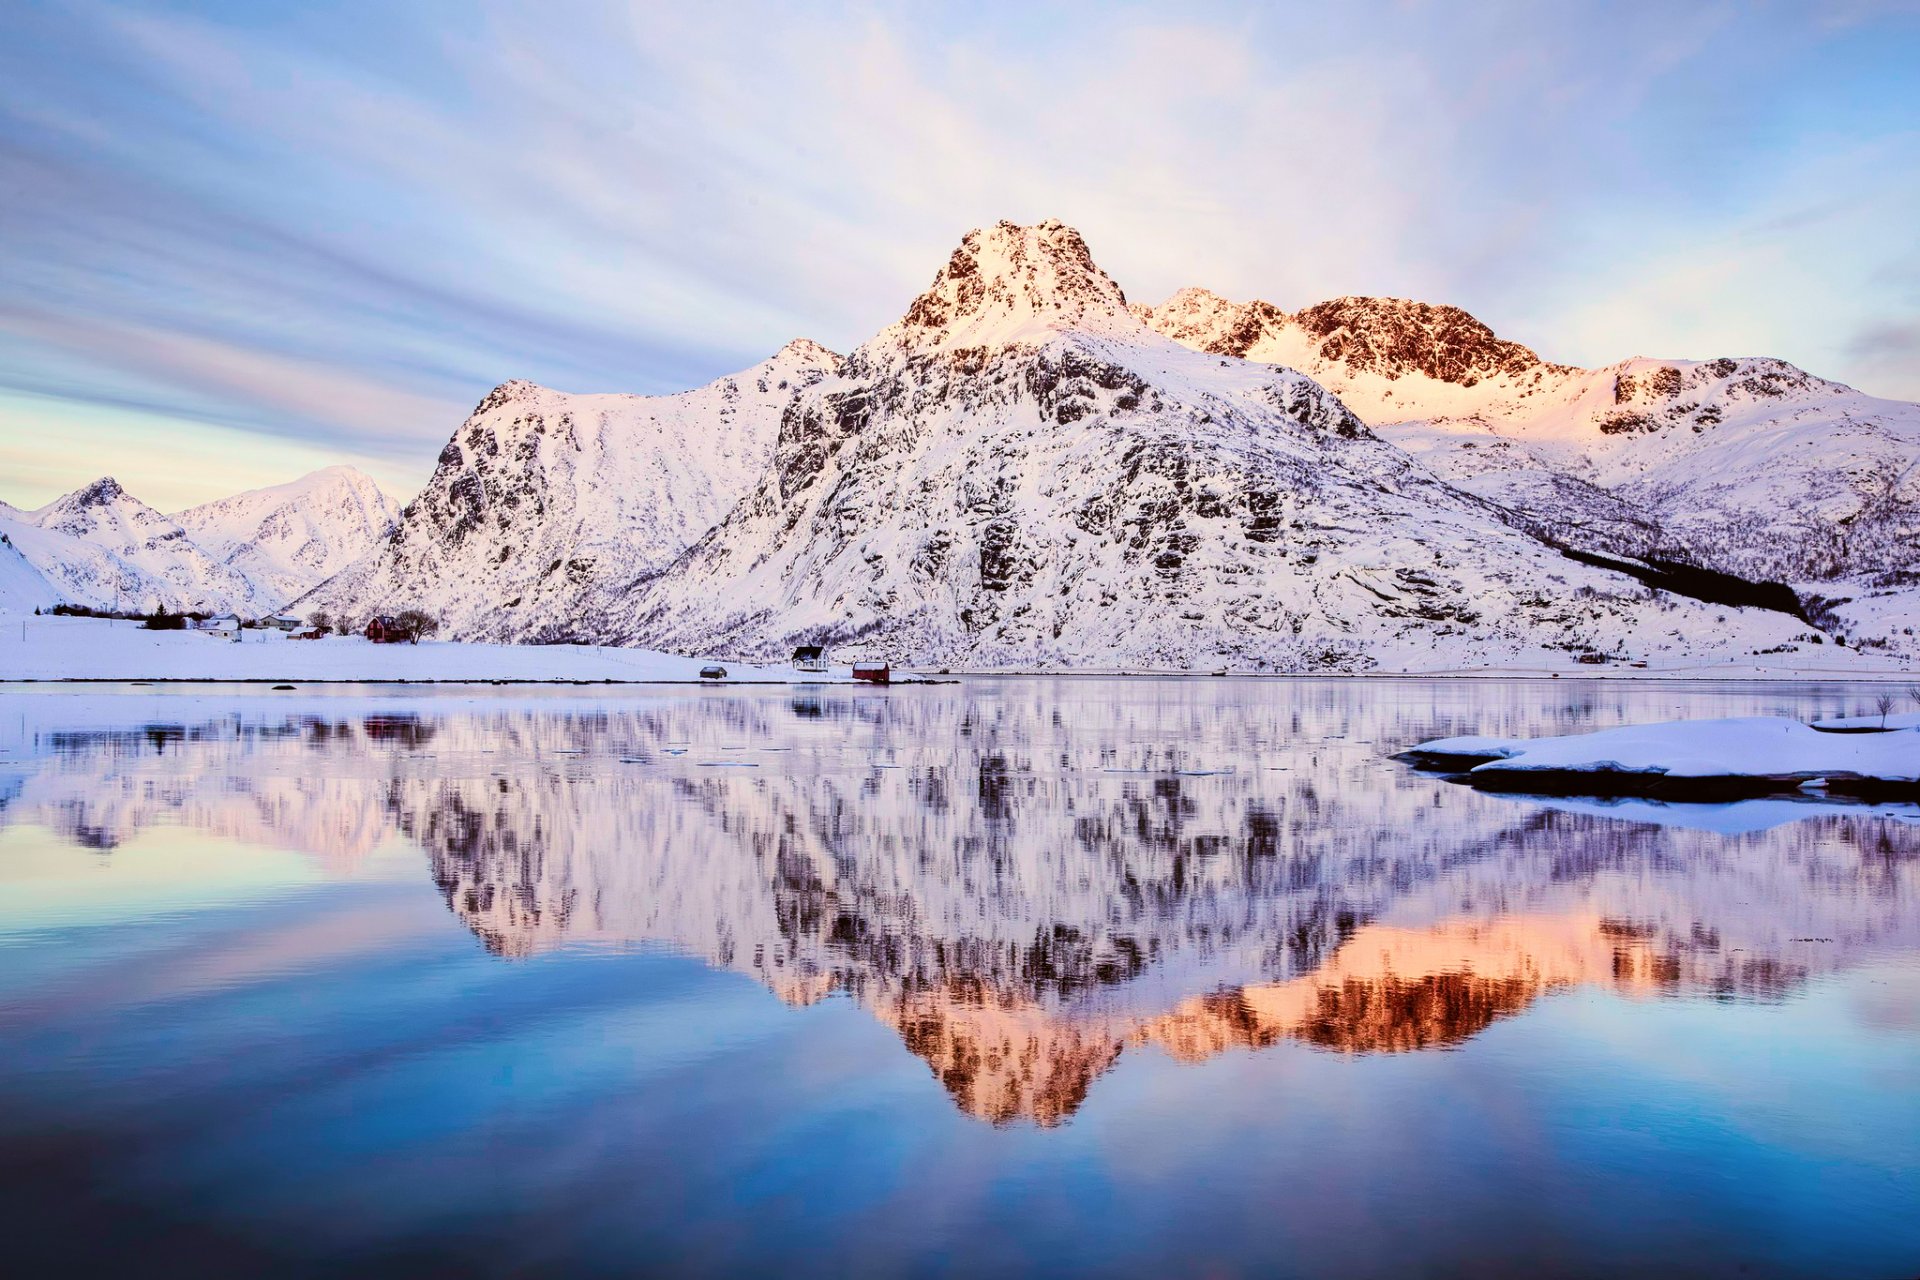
(48, 648)
(1687, 758)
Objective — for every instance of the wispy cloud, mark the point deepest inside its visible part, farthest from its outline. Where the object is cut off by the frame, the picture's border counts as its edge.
(338, 227)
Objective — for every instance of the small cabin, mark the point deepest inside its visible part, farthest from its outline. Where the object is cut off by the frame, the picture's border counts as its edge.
(225, 622)
(873, 672)
(384, 630)
(281, 622)
(713, 673)
(810, 657)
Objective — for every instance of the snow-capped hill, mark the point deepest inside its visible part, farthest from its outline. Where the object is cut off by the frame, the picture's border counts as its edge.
(288, 538)
(802, 354)
(1391, 337)
(1394, 337)
(1102, 496)
(543, 497)
(1205, 321)
(1748, 465)
(1009, 284)
(101, 546)
(23, 588)
(101, 509)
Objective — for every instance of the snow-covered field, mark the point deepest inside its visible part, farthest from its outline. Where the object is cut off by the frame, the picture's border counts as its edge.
(49, 648)
(1759, 747)
(52, 648)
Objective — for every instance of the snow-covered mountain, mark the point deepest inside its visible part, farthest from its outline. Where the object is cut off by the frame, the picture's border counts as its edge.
(1748, 465)
(1025, 471)
(22, 587)
(288, 538)
(542, 499)
(1022, 472)
(103, 547)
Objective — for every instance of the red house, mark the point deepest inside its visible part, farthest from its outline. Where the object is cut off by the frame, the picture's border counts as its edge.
(384, 630)
(876, 672)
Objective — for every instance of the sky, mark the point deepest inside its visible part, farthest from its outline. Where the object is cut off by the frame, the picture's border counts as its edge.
(241, 241)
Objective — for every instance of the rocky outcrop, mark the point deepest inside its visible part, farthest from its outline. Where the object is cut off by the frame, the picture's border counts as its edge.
(544, 504)
(1021, 473)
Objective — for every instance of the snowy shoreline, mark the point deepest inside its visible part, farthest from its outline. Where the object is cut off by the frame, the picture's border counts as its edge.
(56, 650)
(62, 650)
(1862, 757)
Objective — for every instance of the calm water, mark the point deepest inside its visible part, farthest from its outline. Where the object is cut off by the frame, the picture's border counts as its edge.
(1082, 976)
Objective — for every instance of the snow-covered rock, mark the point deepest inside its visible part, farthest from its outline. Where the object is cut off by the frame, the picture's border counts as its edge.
(287, 539)
(101, 546)
(1022, 473)
(1765, 749)
(1747, 465)
(544, 500)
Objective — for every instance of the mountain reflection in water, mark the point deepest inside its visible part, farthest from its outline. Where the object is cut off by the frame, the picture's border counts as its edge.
(1025, 880)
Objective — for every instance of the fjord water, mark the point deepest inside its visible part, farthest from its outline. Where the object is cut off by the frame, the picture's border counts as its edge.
(1130, 977)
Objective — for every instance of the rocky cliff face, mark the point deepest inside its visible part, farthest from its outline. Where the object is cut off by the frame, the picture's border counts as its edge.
(1026, 471)
(1390, 338)
(544, 501)
(1022, 473)
(1746, 465)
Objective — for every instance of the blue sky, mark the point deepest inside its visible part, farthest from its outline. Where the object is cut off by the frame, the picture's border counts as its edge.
(239, 241)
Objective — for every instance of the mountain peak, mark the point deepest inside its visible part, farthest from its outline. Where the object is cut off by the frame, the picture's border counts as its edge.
(1393, 336)
(1388, 337)
(98, 494)
(807, 351)
(101, 500)
(1010, 283)
(1202, 319)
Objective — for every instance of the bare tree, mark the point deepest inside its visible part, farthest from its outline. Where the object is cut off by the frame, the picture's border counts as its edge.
(415, 624)
(1883, 704)
(320, 620)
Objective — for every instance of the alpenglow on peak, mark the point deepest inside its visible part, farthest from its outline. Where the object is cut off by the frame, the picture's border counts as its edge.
(1009, 283)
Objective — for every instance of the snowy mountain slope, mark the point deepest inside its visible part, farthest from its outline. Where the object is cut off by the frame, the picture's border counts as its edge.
(1749, 465)
(23, 588)
(542, 496)
(289, 538)
(1022, 473)
(101, 546)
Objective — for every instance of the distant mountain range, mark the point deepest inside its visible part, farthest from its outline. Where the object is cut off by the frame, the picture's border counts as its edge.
(252, 553)
(1028, 471)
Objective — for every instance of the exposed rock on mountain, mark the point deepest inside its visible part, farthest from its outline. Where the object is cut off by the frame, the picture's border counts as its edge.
(1747, 465)
(289, 538)
(1387, 337)
(542, 498)
(1022, 473)
(100, 546)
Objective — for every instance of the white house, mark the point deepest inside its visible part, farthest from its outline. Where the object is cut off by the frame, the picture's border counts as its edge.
(226, 626)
